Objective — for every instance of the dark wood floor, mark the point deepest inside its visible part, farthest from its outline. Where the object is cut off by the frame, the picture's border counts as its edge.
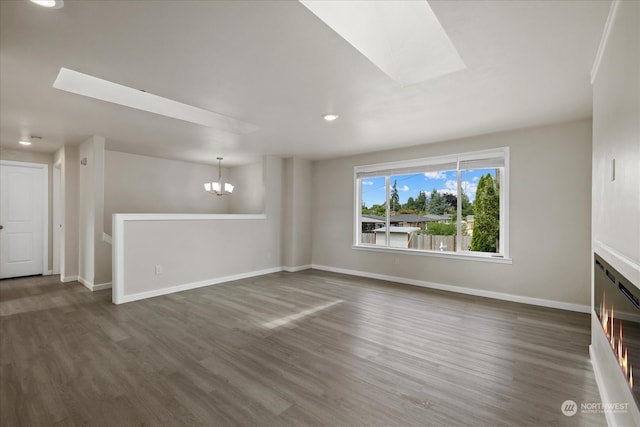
(288, 349)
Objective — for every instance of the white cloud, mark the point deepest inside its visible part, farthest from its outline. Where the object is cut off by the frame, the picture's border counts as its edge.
(435, 175)
(367, 182)
(404, 188)
(470, 189)
(476, 178)
(451, 187)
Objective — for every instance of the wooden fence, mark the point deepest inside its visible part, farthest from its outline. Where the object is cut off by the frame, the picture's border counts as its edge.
(427, 242)
(368, 238)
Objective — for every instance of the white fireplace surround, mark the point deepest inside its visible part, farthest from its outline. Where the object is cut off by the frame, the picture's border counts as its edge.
(613, 387)
(615, 200)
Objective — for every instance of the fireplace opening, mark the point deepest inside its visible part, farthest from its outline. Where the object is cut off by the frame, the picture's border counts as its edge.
(617, 305)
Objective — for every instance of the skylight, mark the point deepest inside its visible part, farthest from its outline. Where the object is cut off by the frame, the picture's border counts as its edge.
(402, 38)
(93, 87)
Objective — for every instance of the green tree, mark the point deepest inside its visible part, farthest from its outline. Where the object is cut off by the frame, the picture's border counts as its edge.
(452, 202)
(395, 197)
(436, 204)
(440, 229)
(421, 202)
(486, 212)
(379, 210)
(467, 206)
(410, 205)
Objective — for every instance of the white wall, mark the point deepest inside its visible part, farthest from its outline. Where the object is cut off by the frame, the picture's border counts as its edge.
(43, 158)
(296, 215)
(616, 203)
(86, 213)
(102, 249)
(67, 157)
(616, 136)
(95, 254)
(197, 250)
(248, 193)
(142, 184)
(549, 218)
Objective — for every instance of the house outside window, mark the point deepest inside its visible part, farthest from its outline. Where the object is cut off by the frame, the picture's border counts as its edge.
(455, 205)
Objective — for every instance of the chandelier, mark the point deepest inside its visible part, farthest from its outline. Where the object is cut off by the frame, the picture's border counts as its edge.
(219, 188)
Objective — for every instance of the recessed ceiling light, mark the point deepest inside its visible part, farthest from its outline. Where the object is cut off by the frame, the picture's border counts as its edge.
(23, 142)
(104, 90)
(330, 117)
(52, 4)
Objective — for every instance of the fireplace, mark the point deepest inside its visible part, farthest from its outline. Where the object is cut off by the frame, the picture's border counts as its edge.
(617, 306)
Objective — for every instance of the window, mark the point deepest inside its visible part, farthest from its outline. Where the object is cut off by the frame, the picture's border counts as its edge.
(452, 204)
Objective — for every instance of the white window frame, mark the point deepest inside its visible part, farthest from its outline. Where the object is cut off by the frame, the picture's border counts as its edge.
(389, 168)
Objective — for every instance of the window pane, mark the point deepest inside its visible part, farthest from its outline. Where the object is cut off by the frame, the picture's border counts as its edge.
(440, 211)
(443, 204)
(423, 210)
(481, 210)
(373, 204)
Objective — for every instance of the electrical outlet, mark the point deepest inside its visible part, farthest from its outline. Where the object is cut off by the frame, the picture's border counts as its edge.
(158, 269)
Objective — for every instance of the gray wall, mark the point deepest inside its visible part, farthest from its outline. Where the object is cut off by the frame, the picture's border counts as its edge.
(296, 215)
(201, 251)
(249, 192)
(549, 206)
(142, 184)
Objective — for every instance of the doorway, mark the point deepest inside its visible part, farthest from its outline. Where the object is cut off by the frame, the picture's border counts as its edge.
(23, 219)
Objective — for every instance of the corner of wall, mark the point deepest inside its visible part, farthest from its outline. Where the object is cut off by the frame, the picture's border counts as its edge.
(69, 170)
(296, 213)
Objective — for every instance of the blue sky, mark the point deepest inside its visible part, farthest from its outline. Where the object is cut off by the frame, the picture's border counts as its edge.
(373, 191)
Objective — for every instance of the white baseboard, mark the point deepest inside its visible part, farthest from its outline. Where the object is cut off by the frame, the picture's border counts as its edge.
(86, 283)
(450, 288)
(193, 285)
(66, 279)
(93, 287)
(460, 289)
(101, 286)
(297, 268)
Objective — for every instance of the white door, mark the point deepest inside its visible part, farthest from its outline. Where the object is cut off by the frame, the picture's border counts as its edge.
(22, 218)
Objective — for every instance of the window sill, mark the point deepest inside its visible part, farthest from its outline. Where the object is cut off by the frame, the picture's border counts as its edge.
(450, 255)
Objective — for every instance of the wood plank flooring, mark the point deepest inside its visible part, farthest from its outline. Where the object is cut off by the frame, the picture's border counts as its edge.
(288, 349)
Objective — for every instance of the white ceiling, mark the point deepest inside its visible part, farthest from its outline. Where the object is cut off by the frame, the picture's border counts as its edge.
(276, 65)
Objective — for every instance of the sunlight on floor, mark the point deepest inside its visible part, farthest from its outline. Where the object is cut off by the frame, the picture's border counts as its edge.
(293, 317)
